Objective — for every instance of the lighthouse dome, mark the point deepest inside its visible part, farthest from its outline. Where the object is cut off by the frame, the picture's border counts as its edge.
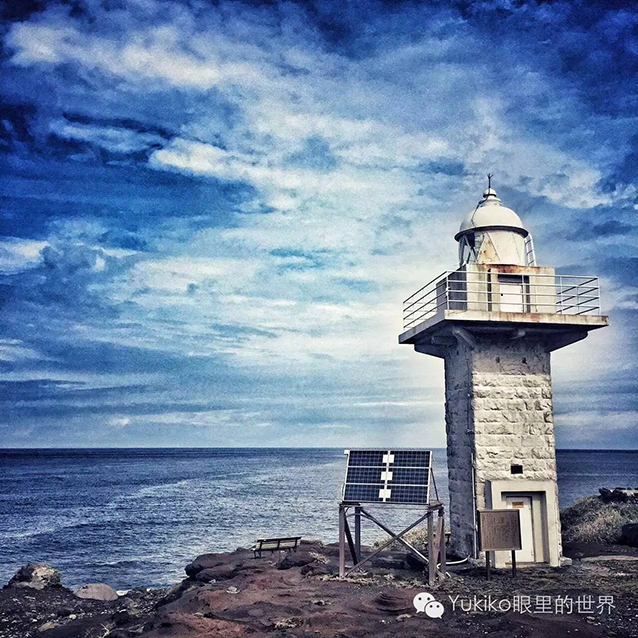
(494, 234)
(490, 213)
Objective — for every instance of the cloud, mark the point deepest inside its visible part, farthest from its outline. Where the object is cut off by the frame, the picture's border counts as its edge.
(17, 255)
(211, 204)
(12, 350)
(120, 140)
(607, 228)
(119, 422)
(153, 55)
(585, 426)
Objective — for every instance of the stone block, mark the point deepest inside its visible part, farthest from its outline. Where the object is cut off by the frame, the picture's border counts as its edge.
(510, 416)
(488, 416)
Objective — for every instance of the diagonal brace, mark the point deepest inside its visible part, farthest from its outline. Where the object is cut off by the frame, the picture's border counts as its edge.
(405, 543)
(395, 537)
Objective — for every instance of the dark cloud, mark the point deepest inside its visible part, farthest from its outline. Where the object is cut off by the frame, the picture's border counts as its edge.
(136, 202)
(43, 390)
(316, 154)
(451, 168)
(624, 270)
(20, 9)
(65, 279)
(626, 169)
(588, 231)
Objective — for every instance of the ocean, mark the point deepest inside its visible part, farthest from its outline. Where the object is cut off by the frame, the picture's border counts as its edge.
(136, 517)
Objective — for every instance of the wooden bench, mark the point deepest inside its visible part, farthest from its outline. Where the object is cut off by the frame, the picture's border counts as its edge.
(288, 544)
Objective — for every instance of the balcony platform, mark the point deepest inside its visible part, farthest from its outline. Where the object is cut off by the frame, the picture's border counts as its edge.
(559, 328)
(516, 301)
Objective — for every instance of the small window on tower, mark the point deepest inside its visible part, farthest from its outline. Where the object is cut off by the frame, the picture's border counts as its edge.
(516, 469)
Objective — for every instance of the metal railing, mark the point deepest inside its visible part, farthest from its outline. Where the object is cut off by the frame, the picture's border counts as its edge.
(503, 292)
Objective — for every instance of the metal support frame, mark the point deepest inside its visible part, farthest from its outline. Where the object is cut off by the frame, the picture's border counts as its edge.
(435, 559)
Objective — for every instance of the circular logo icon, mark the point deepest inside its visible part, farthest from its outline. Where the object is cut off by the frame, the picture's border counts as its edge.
(421, 600)
(434, 609)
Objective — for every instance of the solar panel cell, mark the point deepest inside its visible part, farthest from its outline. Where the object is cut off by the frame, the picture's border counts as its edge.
(409, 494)
(411, 458)
(409, 476)
(365, 474)
(366, 458)
(362, 493)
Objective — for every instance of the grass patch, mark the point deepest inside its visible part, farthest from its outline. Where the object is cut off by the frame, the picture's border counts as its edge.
(589, 520)
(417, 537)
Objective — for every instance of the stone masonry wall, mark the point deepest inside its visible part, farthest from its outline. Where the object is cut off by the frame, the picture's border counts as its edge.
(499, 406)
(460, 445)
(512, 411)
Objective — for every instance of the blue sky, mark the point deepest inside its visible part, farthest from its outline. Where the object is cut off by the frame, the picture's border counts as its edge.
(212, 211)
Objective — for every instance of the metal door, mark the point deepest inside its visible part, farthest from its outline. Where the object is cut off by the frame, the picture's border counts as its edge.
(511, 293)
(524, 504)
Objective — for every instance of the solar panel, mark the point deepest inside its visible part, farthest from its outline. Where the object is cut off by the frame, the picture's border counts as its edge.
(399, 477)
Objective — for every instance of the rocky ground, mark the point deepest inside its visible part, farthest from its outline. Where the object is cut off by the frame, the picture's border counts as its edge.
(232, 595)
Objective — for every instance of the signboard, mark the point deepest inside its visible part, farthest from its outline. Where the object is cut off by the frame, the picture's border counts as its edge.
(499, 530)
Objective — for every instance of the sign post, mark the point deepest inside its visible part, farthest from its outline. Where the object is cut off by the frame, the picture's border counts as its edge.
(499, 530)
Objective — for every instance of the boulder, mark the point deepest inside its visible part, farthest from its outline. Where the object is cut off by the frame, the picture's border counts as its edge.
(204, 561)
(317, 569)
(630, 534)
(388, 562)
(214, 574)
(35, 576)
(294, 559)
(175, 592)
(96, 591)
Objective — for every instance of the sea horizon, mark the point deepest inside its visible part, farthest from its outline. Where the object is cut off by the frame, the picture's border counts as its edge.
(272, 447)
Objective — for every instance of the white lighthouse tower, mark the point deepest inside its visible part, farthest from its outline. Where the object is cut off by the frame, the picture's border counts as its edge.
(495, 320)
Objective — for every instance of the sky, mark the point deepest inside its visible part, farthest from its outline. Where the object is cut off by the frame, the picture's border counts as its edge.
(212, 211)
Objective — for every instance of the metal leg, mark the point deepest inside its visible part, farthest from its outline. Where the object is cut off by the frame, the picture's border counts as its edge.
(441, 542)
(436, 540)
(357, 532)
(342, 541)
(431, 553)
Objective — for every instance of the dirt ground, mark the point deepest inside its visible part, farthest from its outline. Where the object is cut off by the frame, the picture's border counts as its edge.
(299, 595)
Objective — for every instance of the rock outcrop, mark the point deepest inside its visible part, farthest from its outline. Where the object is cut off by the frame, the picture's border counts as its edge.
(233, 595)
(35, 576)
(630, 534)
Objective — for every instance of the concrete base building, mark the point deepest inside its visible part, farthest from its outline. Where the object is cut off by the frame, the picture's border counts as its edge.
(495, 321)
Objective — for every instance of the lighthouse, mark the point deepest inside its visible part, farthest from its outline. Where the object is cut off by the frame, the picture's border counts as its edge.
(495, 321)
